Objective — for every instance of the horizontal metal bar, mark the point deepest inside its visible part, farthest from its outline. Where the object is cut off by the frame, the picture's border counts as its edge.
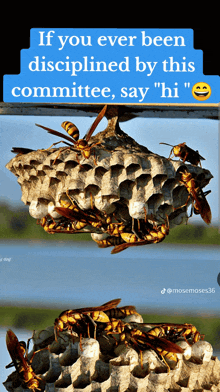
(126, 112)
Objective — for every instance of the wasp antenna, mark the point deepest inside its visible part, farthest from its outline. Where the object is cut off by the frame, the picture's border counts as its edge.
(167, 144)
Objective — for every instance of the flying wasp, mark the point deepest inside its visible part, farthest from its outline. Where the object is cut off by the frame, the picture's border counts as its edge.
(81, 145)
(69, 319)
(199, 202)
(17, 351)
(185, 153)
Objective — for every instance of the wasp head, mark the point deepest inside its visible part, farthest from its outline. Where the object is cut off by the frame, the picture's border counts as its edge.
(33, 384)
(177, 150)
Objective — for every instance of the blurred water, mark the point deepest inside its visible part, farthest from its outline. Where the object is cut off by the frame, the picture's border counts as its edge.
(161, 276)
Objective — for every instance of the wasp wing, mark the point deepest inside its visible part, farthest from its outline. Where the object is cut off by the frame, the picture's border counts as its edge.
(74, 215)
(95, 123)
(15, 350)
(21, 150)
(155, 342)
(56, 133)
(121, 247)
(108, 305)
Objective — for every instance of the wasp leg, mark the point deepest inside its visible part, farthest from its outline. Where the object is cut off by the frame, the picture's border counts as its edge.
(78, 160)
(95, 325)
(94, 155)
(60, 152)
(94, 159)
(145, 215)
(54, 144)
(141, 358)
(11, 364)
(28, 343)
(165, 363)
(35, 352)
(133, 229)
(91, 201)
(184, 205)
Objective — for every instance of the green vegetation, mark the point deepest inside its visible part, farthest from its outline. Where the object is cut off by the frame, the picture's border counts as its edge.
(27, 318)
(18, 224)
(31, 318)
(194, 234)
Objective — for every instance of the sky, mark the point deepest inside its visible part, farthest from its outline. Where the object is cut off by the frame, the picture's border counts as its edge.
(199, 134)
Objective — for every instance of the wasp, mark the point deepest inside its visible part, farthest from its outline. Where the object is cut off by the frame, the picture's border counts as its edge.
(201, 206)
(17, 351)
(165, 349)
(81, 145)
(154, 235)
(72, 212)
(80, 219)
(142, 341)
(199, 202)
(63, 227)
(109, 241)
(71, 129)
(51, 226)
(116, 327)
(175, 331)
(122, 312)
(69, 319)
(115, 229)
(72, 220)
(185, 153)
(94, 218)
(48, 224)
(69, 204)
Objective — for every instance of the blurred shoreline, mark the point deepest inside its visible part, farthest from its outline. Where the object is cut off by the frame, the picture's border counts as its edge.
(17, 224)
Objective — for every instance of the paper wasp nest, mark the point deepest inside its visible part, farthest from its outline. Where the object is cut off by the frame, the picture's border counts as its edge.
(120, 177)
(67, 367)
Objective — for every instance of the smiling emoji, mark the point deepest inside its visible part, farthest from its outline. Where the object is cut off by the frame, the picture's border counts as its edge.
(201, 91)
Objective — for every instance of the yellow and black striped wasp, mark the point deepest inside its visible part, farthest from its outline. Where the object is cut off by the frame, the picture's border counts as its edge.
(122, 312)
(79, 145)
(165, 349)
(173, 331)
(18, 353)
(77, 319)
(199, 202)
(185, 153)
(131, 334)
(151, 236)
